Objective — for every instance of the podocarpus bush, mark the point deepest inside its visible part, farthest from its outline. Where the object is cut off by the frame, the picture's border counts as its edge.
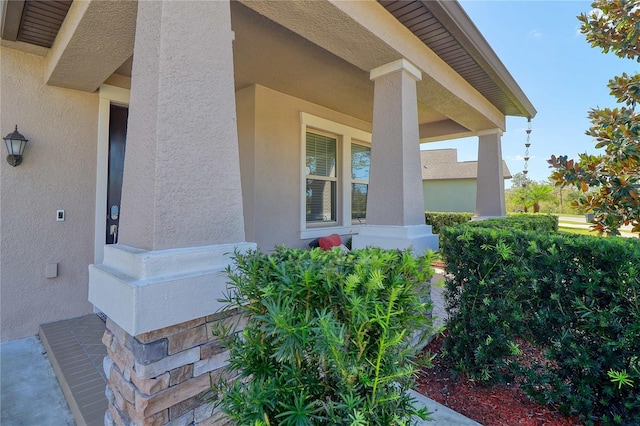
(522, 222)
(576, 296)
(438, 220)
(328, 337)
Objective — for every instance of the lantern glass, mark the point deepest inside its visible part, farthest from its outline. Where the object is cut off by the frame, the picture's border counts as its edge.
(15, 146)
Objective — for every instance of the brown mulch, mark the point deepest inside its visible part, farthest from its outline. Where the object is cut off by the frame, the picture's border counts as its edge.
(496, 405)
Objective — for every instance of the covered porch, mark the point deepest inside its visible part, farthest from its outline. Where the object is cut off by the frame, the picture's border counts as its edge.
(246, 122)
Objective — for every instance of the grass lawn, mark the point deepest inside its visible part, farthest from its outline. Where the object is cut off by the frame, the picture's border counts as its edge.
(578, 231)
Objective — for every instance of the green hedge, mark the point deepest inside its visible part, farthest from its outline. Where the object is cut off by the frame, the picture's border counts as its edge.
(438, 220)
(329, 339)
(522, 222)
(576, 296)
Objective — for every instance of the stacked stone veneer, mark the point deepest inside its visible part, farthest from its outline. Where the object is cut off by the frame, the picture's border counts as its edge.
(159, 377)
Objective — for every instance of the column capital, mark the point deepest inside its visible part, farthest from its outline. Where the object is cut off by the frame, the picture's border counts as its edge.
(395, 66)
(489, 132)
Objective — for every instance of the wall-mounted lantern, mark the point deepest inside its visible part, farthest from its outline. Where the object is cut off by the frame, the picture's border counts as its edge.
(15, 143)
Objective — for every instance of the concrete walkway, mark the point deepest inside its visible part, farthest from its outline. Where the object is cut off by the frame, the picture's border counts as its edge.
(30, 394)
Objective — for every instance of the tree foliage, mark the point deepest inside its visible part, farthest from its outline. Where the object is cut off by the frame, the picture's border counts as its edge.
(526, 193)
(614, 177)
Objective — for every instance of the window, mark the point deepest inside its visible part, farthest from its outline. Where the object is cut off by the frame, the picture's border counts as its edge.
(322, 180)
(335, 171)
(360, 164)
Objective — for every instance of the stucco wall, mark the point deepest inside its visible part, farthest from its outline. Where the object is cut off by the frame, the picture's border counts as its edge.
(450, 195)
(57, 172)
(270, 158)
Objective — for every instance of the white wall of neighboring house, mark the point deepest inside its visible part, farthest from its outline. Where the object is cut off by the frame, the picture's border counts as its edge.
(57, 172)
(450, 195)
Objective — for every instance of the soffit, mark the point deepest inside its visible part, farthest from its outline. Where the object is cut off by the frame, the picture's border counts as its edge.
(38, 21)
(273, 56)
(447, 30)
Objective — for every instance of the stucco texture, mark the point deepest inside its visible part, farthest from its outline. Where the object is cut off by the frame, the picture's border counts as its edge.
(270, 159)
(184, 195)
(57, 172)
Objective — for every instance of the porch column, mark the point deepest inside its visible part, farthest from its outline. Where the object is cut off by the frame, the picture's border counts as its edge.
(181, 217)
(395, 202)
(490, 182)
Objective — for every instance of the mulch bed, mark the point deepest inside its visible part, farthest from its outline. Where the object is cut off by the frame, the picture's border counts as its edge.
(497, 405)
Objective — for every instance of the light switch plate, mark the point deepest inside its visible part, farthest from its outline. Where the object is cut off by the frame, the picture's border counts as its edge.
(60, 215)
(51, 270)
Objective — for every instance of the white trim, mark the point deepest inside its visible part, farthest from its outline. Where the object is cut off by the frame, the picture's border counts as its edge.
(345, 135)
(323, 231)
(395, 66)
(489, 132)
(144, 290)
(108, 95)
(345, 180)
(116, 95)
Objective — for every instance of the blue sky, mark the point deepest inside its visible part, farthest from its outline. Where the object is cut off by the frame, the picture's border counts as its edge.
(540, 44)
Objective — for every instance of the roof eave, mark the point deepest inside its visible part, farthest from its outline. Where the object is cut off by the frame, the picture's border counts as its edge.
(453, 16)
(11, 16)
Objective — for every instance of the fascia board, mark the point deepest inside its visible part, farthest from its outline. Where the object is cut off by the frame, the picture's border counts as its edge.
(455, 19)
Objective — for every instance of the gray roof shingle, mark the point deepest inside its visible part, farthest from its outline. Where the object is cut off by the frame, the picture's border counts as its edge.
(442, 164)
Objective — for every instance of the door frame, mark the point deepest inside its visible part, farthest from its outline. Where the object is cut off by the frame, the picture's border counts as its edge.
(109, 95)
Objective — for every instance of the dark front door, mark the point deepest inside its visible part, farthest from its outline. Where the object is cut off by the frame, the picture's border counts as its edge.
(117, 142)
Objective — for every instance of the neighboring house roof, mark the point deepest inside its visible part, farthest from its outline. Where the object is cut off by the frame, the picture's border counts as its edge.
(442, 164)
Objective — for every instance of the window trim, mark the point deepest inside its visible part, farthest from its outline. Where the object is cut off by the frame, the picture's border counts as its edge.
(357, 181)
(344, 135)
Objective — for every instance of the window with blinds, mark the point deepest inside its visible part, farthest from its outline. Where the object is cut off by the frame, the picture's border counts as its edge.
(321, 178)
(360, 165)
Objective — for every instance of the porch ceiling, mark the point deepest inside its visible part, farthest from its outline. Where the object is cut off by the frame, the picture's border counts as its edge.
(344, 41)
(318, 51)
(270, 55)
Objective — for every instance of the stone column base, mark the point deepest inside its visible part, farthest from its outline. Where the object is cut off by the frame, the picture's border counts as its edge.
(417, 237)
(161, 377)
(142, 290)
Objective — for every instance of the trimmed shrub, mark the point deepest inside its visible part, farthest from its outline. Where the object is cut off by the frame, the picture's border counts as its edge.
(438, 220)
(328, 337)
(576, 296)
(522, 222)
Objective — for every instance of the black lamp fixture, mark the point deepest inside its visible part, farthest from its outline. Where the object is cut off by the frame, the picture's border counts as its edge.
(15, 147)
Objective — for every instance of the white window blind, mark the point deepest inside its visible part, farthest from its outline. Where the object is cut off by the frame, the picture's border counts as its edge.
(321, 177)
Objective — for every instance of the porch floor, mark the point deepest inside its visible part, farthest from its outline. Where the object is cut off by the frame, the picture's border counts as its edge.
(75, 350)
